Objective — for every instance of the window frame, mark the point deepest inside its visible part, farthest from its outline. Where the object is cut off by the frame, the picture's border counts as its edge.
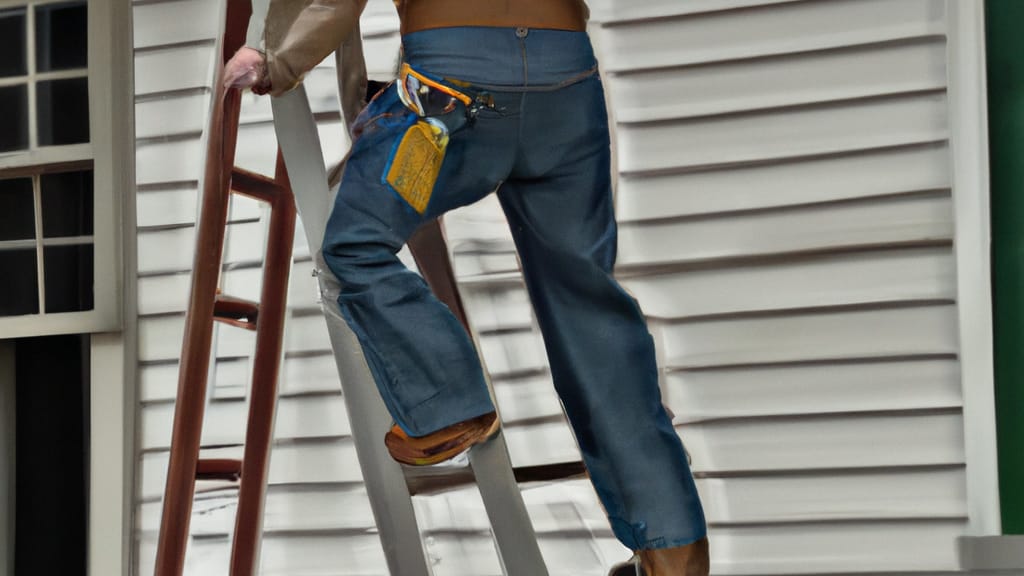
(111, 152)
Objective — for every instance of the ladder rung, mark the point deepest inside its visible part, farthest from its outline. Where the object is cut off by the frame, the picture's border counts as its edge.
(236, 312)
(431, 480)
(255, 185)
(219, 469)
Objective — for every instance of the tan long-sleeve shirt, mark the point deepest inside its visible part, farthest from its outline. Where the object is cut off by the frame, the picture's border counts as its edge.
(297, 34)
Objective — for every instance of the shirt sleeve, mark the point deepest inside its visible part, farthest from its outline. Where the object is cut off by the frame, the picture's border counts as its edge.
(319, 29)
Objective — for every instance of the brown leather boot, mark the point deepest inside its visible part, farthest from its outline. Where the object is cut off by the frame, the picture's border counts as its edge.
(442, 445)
(689, 560)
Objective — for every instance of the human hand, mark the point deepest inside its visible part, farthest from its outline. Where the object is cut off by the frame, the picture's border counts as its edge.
(247, 69)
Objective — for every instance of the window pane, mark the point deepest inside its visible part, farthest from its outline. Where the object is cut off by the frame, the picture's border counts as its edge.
(17, 210)
(51, 455)
(68, 271)
(61, 36)
(63, 111)
(12, 42)
(66, 203)
(19, 292)
(14, 128)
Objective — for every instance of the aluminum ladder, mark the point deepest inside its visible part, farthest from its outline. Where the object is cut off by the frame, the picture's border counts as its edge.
(206, 306)
(390, 486)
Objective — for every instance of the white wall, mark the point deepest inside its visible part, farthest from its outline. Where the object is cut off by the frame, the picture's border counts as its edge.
(786, 223)
(787, 219)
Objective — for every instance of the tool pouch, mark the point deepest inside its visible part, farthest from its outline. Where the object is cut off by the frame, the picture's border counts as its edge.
(415, 163)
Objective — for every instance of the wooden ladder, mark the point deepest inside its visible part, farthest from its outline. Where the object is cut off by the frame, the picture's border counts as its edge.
(207, 305)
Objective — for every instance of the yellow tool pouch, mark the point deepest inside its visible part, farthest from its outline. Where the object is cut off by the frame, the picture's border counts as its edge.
(416, 163)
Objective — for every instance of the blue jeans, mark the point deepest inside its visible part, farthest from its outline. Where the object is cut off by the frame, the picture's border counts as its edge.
(544, 146)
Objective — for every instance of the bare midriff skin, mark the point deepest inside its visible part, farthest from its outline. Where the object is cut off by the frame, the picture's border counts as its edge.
(419, 15)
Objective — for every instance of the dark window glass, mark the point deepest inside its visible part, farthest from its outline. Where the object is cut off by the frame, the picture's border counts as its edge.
(17, 210)
(12, 42)
(14, 126)
(51, 455)
(66, 203)
(19, 291)
(68, 272)
(63, 111)
(61, 36)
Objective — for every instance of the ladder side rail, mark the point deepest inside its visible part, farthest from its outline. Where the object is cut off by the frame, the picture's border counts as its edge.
(198, 336)
(429, 249)
(385, 483)
(266, 369)
(197, 342)
(511, 527)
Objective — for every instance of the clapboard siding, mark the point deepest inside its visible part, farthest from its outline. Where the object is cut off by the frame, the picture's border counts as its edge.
(192, 65)
(783, 81)
(802, 389)
(677, 38)
(874, 173)
(787, 222)
(811, 337)
(164, 23)
(849, 279)
(830, 128)
(892, 221)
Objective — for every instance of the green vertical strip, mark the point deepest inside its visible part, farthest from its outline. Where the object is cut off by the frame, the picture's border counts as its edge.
(1005, 54)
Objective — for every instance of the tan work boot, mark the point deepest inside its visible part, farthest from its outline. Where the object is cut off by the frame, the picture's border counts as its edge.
(689, 560)
(442, 445)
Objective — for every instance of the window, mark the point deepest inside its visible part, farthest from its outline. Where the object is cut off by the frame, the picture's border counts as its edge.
(59, 238)
(44, 454)
(44, 71)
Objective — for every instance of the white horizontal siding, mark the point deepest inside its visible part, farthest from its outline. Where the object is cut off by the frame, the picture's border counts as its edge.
(812, 389)
(786, 222)
(892, 221)
(788, 80)
(848, 279)
(676, 38)
(867, 174)
(793, 133)
(160, 24)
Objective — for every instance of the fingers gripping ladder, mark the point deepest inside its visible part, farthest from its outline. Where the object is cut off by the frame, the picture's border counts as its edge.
(266, 318)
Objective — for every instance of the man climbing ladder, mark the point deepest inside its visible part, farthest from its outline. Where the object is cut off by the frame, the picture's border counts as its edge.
(495, 96)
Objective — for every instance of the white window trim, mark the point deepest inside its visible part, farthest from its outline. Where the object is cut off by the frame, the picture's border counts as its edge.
(114, 356)
(109, 151)
(968, 116)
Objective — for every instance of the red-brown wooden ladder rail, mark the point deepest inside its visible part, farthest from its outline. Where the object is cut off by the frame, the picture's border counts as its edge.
(206, 306)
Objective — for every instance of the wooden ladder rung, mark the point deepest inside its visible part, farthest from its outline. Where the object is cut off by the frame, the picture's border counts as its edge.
(236, 312)
(219, 469)
(428, 480)
(256, 185)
